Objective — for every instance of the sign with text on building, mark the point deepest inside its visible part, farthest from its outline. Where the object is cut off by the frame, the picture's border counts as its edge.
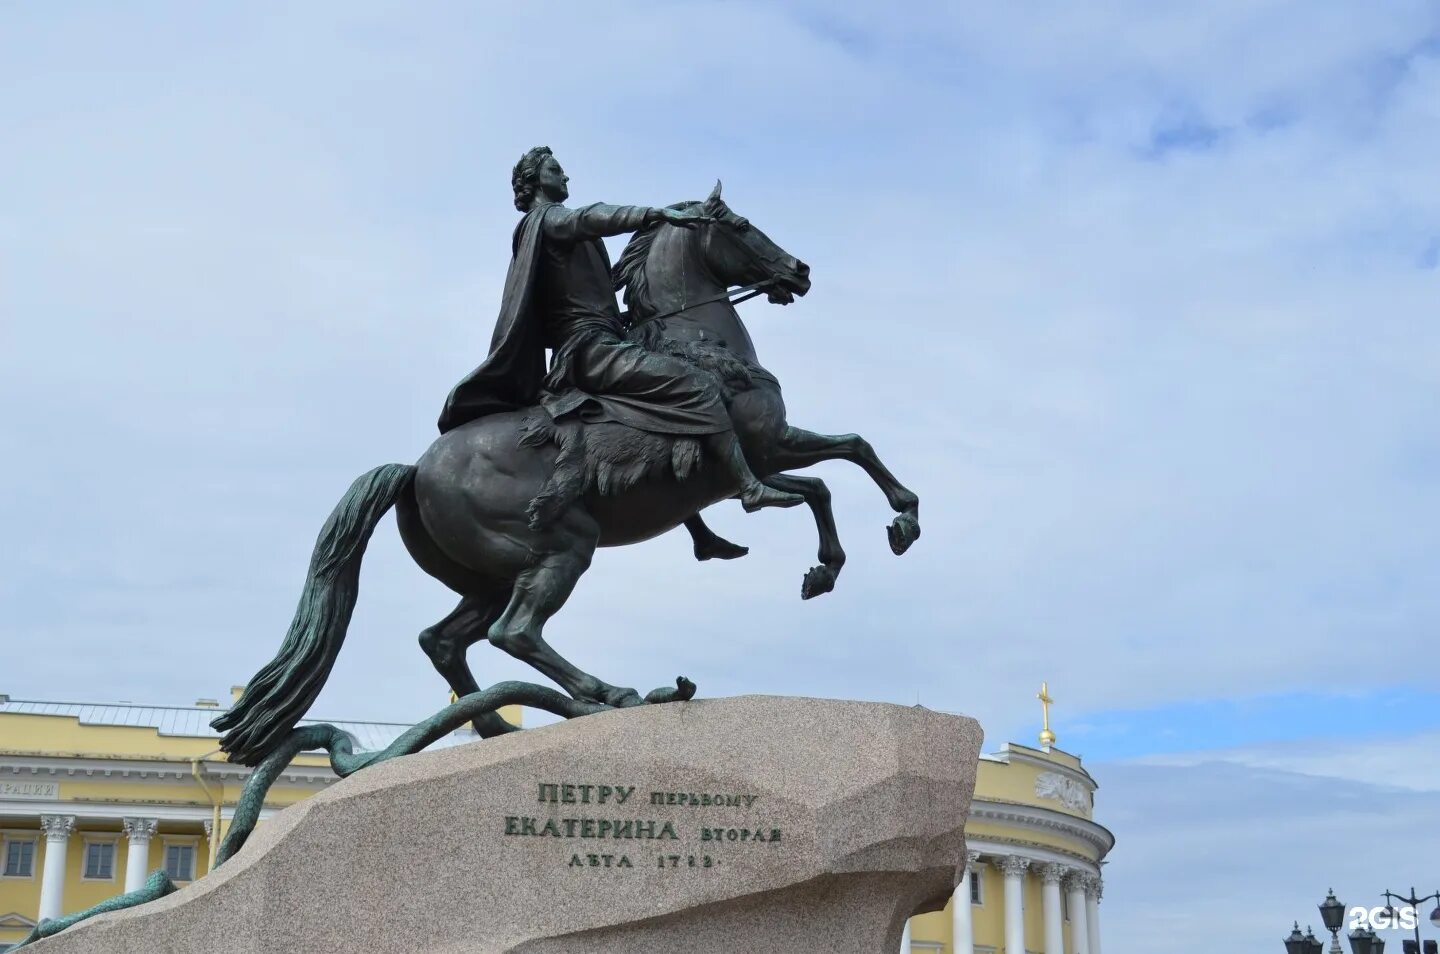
(45, 791)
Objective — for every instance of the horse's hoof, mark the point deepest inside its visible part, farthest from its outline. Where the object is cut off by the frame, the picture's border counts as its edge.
(683, 691)
(820, 580)
(903, 531)
(621, 698)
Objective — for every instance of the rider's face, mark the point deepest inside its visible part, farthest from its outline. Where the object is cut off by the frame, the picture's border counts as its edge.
(552, 180)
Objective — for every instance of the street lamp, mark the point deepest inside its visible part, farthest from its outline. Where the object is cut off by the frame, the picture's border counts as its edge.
(1332, 913)
(1306, 943)
(1413, 946)
(1363, 940)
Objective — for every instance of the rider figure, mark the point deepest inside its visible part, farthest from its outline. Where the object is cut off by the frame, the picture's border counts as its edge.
(559, 295)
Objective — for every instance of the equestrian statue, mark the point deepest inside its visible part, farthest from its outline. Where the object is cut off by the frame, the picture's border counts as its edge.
(639, 422)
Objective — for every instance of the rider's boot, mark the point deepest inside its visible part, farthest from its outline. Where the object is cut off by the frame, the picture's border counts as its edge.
(753, 494)
(709, 545)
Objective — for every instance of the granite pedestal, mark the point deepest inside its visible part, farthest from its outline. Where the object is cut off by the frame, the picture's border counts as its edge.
(752, 824)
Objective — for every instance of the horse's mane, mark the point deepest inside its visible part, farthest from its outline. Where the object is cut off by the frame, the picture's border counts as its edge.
(629, 271)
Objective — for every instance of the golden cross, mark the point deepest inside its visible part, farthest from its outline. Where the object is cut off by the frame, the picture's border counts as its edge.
(1046, 736)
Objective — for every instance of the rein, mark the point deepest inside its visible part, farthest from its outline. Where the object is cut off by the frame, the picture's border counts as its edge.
(742, 294)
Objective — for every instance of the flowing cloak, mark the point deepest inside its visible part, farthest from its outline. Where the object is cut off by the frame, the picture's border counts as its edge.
(622, 381)
(511, 376)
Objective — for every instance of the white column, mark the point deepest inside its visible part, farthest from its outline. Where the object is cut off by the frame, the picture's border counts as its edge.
(905, 938)
(139, 831)
(1050, 902)
(1093, 889)
(960, 926)
(1013, 868)
(52, 883)
(1079, 933)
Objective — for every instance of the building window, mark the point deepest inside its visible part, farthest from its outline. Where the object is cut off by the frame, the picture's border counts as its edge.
(19, 857)
(99, 861)
(977, 895)
(180, 862)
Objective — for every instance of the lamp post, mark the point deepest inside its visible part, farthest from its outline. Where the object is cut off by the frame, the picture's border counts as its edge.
(1306, 943)
(1409, 946)
(1364, 940)
(1332, 912)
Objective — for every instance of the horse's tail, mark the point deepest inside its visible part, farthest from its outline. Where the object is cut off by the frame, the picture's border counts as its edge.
(281, 692)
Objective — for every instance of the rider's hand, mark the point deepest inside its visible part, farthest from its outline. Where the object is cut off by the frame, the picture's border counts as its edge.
(683, 219)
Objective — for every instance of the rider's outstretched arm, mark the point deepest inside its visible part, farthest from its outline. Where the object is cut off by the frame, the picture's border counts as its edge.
(597, 221)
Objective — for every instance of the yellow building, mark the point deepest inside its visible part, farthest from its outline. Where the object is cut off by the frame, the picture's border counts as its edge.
(93, 797)
(1033, 881)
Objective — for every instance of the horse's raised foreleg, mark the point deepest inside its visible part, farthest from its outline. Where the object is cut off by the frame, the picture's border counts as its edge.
(709, 545)
(820, 579)
(446, 642)
(799, 448)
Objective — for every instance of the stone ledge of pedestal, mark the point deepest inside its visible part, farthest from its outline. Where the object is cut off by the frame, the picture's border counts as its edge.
(853, 816)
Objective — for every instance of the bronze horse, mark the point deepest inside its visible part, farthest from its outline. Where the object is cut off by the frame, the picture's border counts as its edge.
(462, 508)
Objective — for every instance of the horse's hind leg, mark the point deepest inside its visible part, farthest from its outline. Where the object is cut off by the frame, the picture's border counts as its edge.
(538, 594)
(799, 448)
(820, 579)
(446, 642)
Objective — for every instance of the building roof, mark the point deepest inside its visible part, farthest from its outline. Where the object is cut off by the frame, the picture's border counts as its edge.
(194, 721)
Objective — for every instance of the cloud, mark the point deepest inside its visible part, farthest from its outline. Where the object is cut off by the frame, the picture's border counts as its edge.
(1388, 763)
(1173, 422)
(1280, 724)
(1138, 297)
(1216, 852)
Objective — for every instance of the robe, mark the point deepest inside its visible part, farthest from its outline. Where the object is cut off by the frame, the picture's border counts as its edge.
(577, 316)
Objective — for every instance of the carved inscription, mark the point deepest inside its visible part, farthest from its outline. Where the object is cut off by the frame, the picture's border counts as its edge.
(572, 794)
(704, 799)
(589, 827)
(617, 815)
(48, 791)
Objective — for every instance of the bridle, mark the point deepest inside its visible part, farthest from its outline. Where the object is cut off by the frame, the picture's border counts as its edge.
(741, 294)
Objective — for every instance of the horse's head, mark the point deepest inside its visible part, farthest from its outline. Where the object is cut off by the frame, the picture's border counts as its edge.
(665, 265)
(738, 253)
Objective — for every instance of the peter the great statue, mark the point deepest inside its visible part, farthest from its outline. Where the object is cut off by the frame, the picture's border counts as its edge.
(560, 297)
(641, 420)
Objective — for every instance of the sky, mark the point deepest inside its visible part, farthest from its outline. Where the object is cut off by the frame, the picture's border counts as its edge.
(1139, 298)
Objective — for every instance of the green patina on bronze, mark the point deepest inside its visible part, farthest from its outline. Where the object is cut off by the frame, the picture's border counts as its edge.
(642, 420)
(345, 761)
(156, 886)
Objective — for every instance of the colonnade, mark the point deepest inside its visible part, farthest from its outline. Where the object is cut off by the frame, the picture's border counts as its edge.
(139, 832)
(1082, 889)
